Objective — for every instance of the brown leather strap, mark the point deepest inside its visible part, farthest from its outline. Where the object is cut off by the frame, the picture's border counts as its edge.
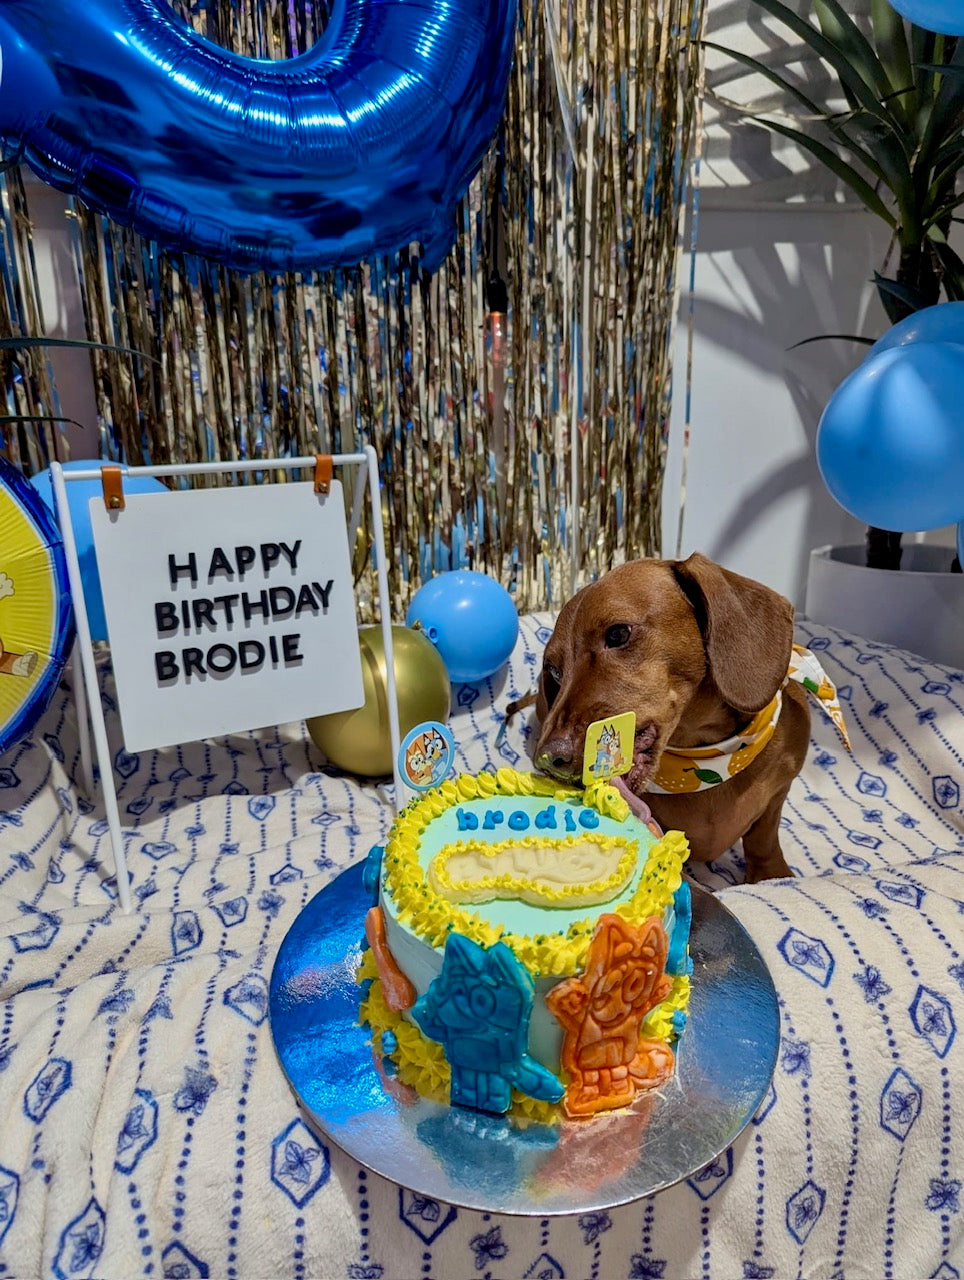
(112, 483)
(323, 472)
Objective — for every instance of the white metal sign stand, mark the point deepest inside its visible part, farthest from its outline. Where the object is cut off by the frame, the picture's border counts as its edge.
(90, 711)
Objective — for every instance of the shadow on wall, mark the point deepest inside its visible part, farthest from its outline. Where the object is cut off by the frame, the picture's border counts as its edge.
(782, 256)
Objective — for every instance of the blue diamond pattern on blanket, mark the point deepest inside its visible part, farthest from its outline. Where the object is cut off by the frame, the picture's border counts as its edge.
(81, 1244)
(50, 1083)
(423, 1215)
(868, 784)
(126, 763)
(850, 862)
(910, 895)
(39, 937)
(811, 956)
(931, 1015)
(299, 1163)
(900, 1104)
(763, 1109)
(804, 1208)
(231, 912)
(545, 1267)
(9, 1194)
(946, 1272)
(158, 848)
(249, 998)
(864, 839)
(711, 1177)
(181, 1264)
(139, 1131)
(947, 792)
(261, 807)
(186, 932)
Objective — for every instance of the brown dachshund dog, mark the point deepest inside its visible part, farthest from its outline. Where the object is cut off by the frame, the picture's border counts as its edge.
(694, 650)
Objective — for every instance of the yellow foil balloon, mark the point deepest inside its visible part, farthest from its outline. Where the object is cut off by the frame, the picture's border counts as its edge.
(360, 741)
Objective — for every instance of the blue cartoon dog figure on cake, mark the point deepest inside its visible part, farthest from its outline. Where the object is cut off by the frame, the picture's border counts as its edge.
(478, 1009)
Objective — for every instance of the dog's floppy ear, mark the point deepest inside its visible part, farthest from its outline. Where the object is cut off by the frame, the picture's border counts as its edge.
(747, 629)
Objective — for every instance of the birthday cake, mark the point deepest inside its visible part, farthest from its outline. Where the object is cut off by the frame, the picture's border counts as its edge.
(527, 946)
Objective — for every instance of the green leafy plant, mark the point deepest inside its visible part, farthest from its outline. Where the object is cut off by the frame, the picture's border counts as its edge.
(898, 145)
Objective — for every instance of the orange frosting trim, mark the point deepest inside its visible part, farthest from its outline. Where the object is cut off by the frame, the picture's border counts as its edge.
(397, 992)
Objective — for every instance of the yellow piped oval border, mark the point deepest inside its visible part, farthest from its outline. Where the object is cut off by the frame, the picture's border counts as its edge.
(432, 918)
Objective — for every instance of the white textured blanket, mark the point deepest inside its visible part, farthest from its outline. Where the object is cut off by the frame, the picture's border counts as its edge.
(147, 1130)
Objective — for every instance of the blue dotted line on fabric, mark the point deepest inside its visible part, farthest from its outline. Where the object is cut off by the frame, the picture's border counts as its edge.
(363, 1218)
(15, 866)
(79, 946)
(945, 1155)
(298, 1253)
(854, 1109)
(58, 1027)
(759, 1216)
(237, 1195)
(705, 1257)
(890, 1225)
(180, 1195)
(144, 1035)
(200, 1036)
(143, 1231)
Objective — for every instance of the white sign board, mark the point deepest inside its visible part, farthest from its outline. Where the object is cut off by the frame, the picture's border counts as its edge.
(227, 609)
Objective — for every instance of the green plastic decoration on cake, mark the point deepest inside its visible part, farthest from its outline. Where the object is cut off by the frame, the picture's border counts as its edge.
(528, 947)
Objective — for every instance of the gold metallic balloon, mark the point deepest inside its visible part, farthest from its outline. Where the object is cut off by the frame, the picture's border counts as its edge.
(360, 741)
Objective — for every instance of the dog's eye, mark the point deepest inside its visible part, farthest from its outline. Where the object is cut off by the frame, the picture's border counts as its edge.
(618, 635)
(551, 680)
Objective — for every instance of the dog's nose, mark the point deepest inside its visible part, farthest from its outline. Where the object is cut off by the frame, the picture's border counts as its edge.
(556, 756)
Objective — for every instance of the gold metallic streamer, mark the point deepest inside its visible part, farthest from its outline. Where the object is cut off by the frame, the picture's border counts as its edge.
(266, 366)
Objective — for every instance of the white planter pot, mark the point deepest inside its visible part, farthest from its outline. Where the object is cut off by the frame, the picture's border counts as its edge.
(918, 607)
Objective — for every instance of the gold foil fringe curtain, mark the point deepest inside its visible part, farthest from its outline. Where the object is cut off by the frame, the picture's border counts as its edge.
(474, 417)
(30, 416)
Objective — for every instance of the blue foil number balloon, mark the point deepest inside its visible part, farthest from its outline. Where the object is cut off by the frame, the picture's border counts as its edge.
(944, 322)
(890, 444)
(471, 620)
(357, 147)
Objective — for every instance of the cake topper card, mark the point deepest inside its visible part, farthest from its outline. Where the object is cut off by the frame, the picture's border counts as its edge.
(426, 755)
(609, 747)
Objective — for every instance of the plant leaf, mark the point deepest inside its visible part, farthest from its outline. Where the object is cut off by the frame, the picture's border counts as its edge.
(24, 344)
(860, 187)
(824, 337)
(890, 41)
(953, 271)
(890, 291)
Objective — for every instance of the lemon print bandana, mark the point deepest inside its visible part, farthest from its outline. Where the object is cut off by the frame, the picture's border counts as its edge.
(686, 769)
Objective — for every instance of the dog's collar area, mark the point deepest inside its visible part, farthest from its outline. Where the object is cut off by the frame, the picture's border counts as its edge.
(682, 770)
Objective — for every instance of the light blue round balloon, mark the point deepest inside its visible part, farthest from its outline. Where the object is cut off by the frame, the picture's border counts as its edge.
(944, 16)
(944, 322)
(890, 444)
(471, 620)
(79, 494)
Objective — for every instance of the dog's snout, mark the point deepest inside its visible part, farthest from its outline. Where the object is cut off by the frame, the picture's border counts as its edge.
(556, 755)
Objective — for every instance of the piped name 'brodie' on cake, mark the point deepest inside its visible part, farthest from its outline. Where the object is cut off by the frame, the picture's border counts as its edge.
(528, 946)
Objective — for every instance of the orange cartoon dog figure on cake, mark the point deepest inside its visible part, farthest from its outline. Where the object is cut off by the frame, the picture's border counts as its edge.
(601, 1013)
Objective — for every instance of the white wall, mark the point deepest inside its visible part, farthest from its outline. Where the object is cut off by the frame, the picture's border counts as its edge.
(783, 253)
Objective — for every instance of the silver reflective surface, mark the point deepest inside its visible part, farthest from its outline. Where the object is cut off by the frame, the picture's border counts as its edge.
(502, 1165)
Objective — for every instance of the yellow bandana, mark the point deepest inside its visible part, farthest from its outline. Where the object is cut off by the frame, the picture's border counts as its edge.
(687, 769)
